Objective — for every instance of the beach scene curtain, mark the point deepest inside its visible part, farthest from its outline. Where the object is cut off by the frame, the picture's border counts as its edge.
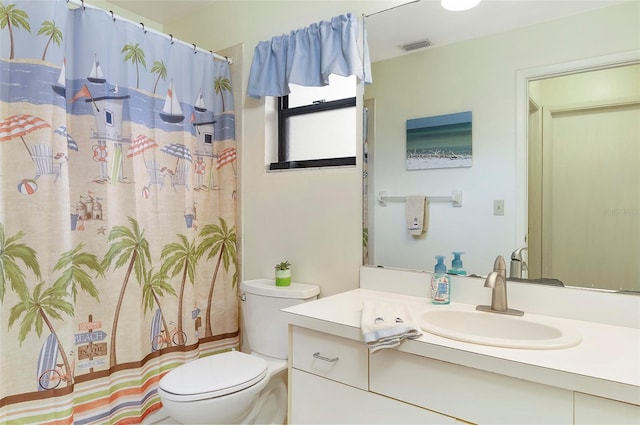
(118, 257)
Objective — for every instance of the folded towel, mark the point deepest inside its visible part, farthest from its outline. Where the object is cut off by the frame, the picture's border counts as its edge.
(386, 325)
(417, 214)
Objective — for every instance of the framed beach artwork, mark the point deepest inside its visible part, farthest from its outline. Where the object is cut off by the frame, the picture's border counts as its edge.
(443, 141)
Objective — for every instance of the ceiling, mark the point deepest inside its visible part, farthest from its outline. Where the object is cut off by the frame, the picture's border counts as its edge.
(162, 11)
(409, 21)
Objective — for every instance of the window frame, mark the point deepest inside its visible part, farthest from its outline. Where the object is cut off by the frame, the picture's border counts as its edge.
(284, 113)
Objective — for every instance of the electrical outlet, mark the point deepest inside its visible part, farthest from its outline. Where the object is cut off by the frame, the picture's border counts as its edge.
(498, 207)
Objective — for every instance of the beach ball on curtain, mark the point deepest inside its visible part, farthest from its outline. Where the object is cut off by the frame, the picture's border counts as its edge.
(27, 187)
(146, 192)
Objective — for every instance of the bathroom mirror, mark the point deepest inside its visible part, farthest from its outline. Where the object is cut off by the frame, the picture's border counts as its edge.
(583, 251)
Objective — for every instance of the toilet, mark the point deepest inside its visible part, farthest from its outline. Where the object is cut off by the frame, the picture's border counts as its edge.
(235, 387)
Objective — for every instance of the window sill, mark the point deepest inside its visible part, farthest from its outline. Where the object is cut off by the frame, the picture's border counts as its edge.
(313, 163)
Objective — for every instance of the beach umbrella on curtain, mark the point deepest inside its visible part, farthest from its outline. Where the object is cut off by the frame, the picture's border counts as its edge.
(178, 150)
(139, 145)
(71, 143)
(225, 157)
(19, 126)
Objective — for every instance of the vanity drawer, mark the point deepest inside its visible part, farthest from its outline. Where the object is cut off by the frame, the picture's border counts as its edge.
(332, 357)
(470, 394)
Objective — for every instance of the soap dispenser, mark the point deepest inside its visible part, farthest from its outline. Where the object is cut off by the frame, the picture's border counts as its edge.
(456, 265)
(440, 287)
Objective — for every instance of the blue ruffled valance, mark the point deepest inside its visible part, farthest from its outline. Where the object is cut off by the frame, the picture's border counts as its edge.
(308, 56)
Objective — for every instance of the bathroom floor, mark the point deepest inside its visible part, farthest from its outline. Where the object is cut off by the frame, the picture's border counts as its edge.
(159, 417)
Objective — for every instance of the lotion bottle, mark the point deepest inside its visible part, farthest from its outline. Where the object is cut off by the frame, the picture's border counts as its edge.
(440, 287)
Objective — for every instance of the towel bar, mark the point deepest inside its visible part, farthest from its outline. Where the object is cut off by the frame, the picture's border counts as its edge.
(455, 198)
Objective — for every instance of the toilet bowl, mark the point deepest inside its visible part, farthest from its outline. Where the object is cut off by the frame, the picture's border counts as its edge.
(235, 387)
(227, 388)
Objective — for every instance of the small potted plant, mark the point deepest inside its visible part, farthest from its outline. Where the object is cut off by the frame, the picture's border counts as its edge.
(283, 274)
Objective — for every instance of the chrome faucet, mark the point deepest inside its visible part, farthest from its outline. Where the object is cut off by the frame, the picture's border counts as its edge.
(518, 265)
(497, 280)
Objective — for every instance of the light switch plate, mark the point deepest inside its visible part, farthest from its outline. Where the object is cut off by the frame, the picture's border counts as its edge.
(498, 207)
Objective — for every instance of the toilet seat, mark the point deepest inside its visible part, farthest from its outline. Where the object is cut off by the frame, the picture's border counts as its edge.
(213, 376)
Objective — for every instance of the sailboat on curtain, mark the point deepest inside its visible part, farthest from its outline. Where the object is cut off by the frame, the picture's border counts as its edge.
(59, 87)
(199, 104)
(172, 112)
(96, 75)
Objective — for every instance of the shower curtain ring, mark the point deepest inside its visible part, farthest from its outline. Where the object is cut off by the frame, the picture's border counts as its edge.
(112, 17)
(171, 39)
(82, 1)
(194, 48)
(143, 30)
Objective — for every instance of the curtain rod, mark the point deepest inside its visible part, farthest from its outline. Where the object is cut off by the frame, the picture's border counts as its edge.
(391, 8)
(170, 37)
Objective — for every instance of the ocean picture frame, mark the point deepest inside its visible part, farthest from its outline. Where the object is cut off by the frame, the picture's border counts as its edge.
(442, 141)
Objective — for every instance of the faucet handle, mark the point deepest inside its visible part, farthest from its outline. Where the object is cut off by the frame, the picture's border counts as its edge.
(517, 254)
(500, 266)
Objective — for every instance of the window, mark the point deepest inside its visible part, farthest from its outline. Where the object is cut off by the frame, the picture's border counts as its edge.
(317, 125)
(108, 117)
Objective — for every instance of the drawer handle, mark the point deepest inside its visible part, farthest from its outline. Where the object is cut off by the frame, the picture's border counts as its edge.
(317, 355)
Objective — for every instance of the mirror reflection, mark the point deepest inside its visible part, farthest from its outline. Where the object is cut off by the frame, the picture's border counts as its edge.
(580, 218)
(583, 178)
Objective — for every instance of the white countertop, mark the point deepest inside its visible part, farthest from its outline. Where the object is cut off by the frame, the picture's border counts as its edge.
(606, 363)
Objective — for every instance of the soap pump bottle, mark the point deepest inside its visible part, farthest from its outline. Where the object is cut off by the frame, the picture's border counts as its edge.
(456, 265)
(440, 287)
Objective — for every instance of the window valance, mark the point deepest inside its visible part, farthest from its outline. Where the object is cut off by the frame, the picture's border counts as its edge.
(308, 56)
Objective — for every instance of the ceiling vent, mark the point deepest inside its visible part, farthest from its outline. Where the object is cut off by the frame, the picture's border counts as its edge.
(416, 45)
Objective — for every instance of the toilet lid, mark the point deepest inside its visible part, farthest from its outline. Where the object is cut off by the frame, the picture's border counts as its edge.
(215, 376)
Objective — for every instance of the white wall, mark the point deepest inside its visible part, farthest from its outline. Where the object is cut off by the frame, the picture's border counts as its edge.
(480, 76)
(310, 217)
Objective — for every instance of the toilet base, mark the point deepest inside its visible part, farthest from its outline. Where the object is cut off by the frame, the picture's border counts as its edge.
(271, 407)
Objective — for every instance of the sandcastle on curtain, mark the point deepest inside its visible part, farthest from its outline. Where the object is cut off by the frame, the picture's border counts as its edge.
(118, 252)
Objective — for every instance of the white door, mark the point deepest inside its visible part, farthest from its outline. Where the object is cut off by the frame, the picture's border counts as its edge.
(591, 195)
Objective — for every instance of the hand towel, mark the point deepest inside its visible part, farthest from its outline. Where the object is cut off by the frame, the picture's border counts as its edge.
(417, 214)
(386, 325)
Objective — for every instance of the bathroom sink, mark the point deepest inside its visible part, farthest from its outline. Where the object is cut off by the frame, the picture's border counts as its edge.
(498, 330)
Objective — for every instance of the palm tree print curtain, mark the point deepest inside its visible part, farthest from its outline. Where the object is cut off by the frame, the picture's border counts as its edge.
(118, 253)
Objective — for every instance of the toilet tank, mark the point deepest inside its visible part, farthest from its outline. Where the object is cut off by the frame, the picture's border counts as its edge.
(265, 325)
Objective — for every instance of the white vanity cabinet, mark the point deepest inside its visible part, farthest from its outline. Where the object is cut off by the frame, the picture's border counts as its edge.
(334, 380)
(470, 394)
(597, 410)
(433, 380)
(329, 381)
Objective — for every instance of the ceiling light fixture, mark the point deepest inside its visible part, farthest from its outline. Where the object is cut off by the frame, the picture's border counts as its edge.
(459, 5)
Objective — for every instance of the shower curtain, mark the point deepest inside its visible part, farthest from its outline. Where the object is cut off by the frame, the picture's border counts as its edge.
(118, 257)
